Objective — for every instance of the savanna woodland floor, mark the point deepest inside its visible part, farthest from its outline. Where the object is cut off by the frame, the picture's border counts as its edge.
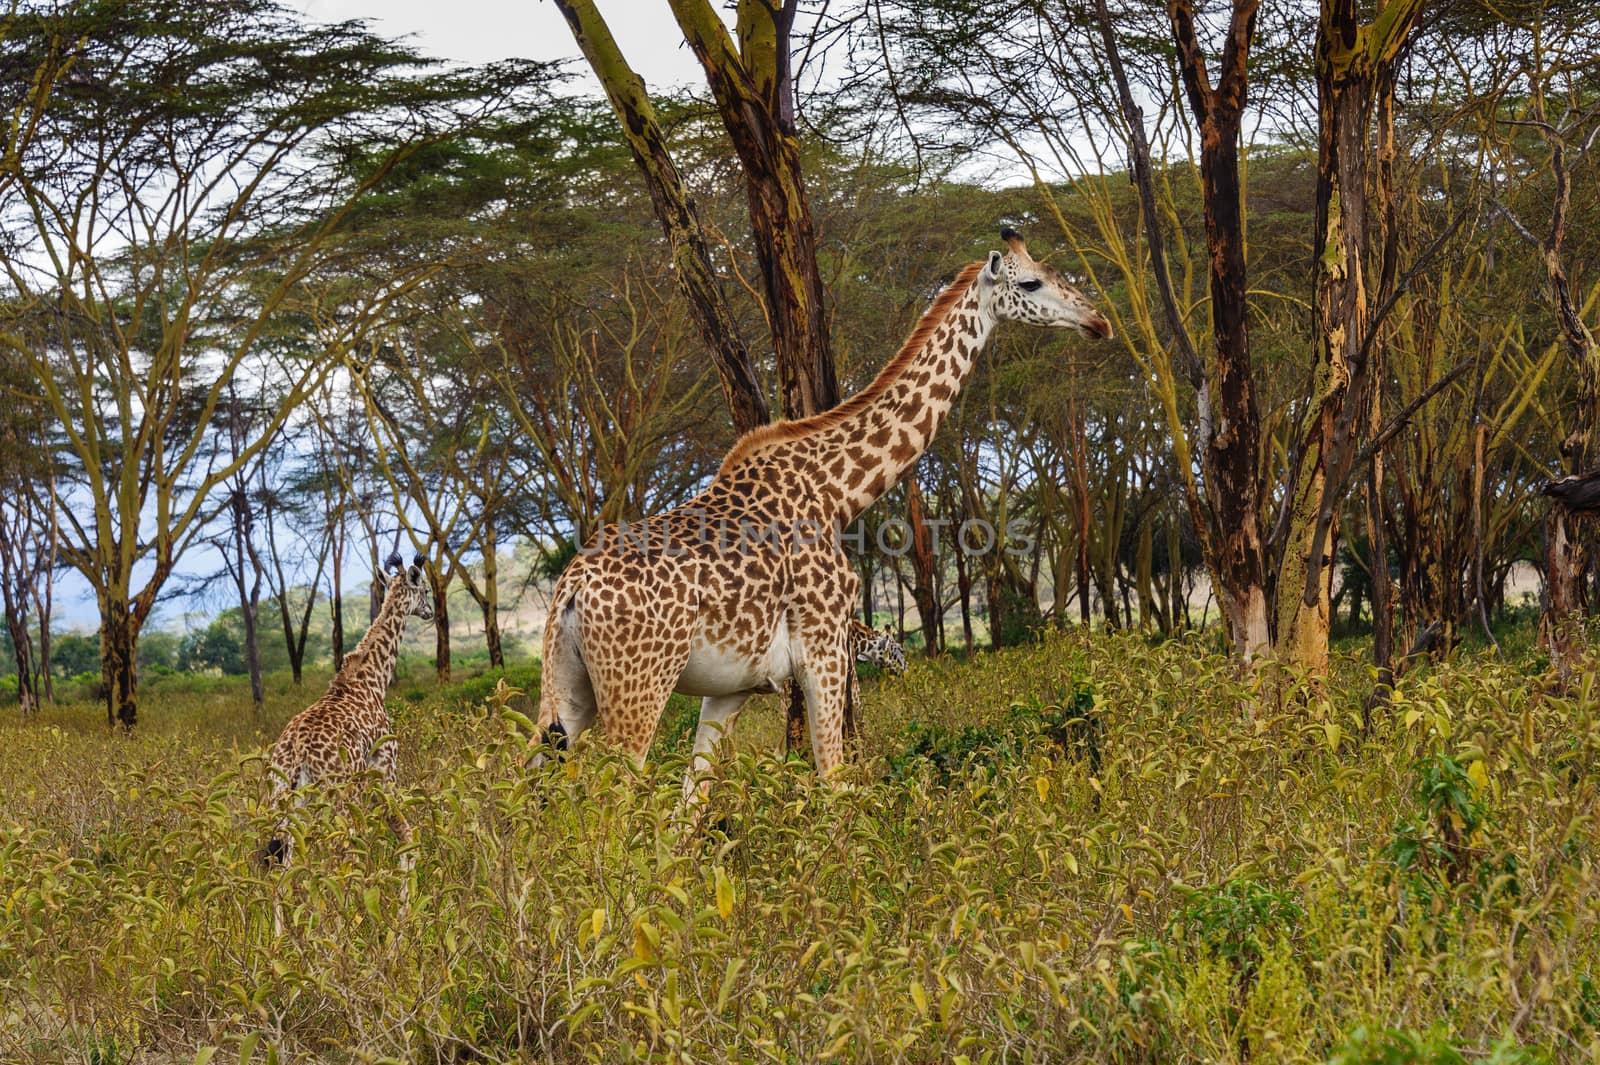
(1087, 850)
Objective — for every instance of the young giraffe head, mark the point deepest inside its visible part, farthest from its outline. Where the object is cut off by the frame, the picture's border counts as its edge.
(879, 648)
(411, 584)
(1022, 290)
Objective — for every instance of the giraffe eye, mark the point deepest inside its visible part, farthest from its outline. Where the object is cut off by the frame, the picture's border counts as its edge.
(1030, 286)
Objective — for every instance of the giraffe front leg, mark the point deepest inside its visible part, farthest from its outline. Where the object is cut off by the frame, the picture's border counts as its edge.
(824, 680)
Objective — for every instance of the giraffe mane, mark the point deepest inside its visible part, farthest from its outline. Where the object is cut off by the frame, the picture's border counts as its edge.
(763, 436)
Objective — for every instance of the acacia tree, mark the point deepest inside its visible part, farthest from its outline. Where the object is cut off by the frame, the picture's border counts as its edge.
(27, 535)
(1029, 77)
(237, 544)
(183, 151)
(294, 507)
(676, 211)
(1548, 91)
(1230, 430)
(1354, 64)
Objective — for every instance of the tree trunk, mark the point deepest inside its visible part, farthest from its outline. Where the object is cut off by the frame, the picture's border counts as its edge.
(252, 650)
(922, 567)
(1231, 455)
(1350, 64)
(1144, 565)
(22, 647)
(294, 641)
(1079, 475)
(964, 592)
(1563, 616)
(1562, 621)
(336, 597)
(675, 210)
(1175, 597)
(491, 599)
(1377, 530)
(119, 646)
(754, 92)
(441, 625)
(46, 670)
(1229, 420)
(249, 599)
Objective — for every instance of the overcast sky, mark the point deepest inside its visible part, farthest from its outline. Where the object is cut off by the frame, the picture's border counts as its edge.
(480, 31)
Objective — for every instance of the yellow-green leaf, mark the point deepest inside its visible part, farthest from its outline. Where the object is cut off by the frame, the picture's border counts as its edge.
(724, 894)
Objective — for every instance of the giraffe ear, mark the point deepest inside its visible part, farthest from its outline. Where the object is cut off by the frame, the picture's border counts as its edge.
(991, 271)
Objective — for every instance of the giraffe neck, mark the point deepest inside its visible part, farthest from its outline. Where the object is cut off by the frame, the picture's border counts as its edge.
(375, 655)
(860, 448)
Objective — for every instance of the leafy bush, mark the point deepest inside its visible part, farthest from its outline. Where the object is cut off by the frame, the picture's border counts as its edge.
(1397, 1047)
(1068, 722)
(1028, 907)
(1236, 920)
(1445, 844)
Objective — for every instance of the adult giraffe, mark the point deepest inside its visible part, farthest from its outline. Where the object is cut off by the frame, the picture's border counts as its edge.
(747, 585)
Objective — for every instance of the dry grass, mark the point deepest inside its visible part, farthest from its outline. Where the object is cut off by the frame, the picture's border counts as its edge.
(1219, 887)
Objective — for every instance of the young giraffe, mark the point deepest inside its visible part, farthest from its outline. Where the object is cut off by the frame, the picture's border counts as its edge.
(747, 585)
(864, 644)
(867, 644)
(342, 734)
(881, 649)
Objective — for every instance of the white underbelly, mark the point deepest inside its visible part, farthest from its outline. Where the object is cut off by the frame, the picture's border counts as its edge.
(716, 670)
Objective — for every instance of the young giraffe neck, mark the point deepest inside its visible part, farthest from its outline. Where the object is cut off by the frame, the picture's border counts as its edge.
(371, 664)
(856, 451)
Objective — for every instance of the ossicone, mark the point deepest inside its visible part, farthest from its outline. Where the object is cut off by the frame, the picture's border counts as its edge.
(1014, 240)
(394, 562)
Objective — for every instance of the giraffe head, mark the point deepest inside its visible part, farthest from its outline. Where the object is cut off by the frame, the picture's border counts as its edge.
(1022, 290)
(881, 649)
(411, 584)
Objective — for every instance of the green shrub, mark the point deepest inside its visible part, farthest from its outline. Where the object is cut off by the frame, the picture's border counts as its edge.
(1026, 903)
(1235, 921)
(1388, 1046)
(1068, 722)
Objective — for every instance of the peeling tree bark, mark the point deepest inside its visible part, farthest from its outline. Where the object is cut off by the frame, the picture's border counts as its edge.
(1351, 64)
(753, 85)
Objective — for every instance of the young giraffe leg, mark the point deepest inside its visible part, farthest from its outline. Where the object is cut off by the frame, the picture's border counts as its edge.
(717, 714)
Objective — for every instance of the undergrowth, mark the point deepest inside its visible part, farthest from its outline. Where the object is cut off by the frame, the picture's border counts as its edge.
(1088, 850)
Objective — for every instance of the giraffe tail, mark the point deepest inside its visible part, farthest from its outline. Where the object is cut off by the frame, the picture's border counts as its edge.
(275, 851)
(555, 660)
